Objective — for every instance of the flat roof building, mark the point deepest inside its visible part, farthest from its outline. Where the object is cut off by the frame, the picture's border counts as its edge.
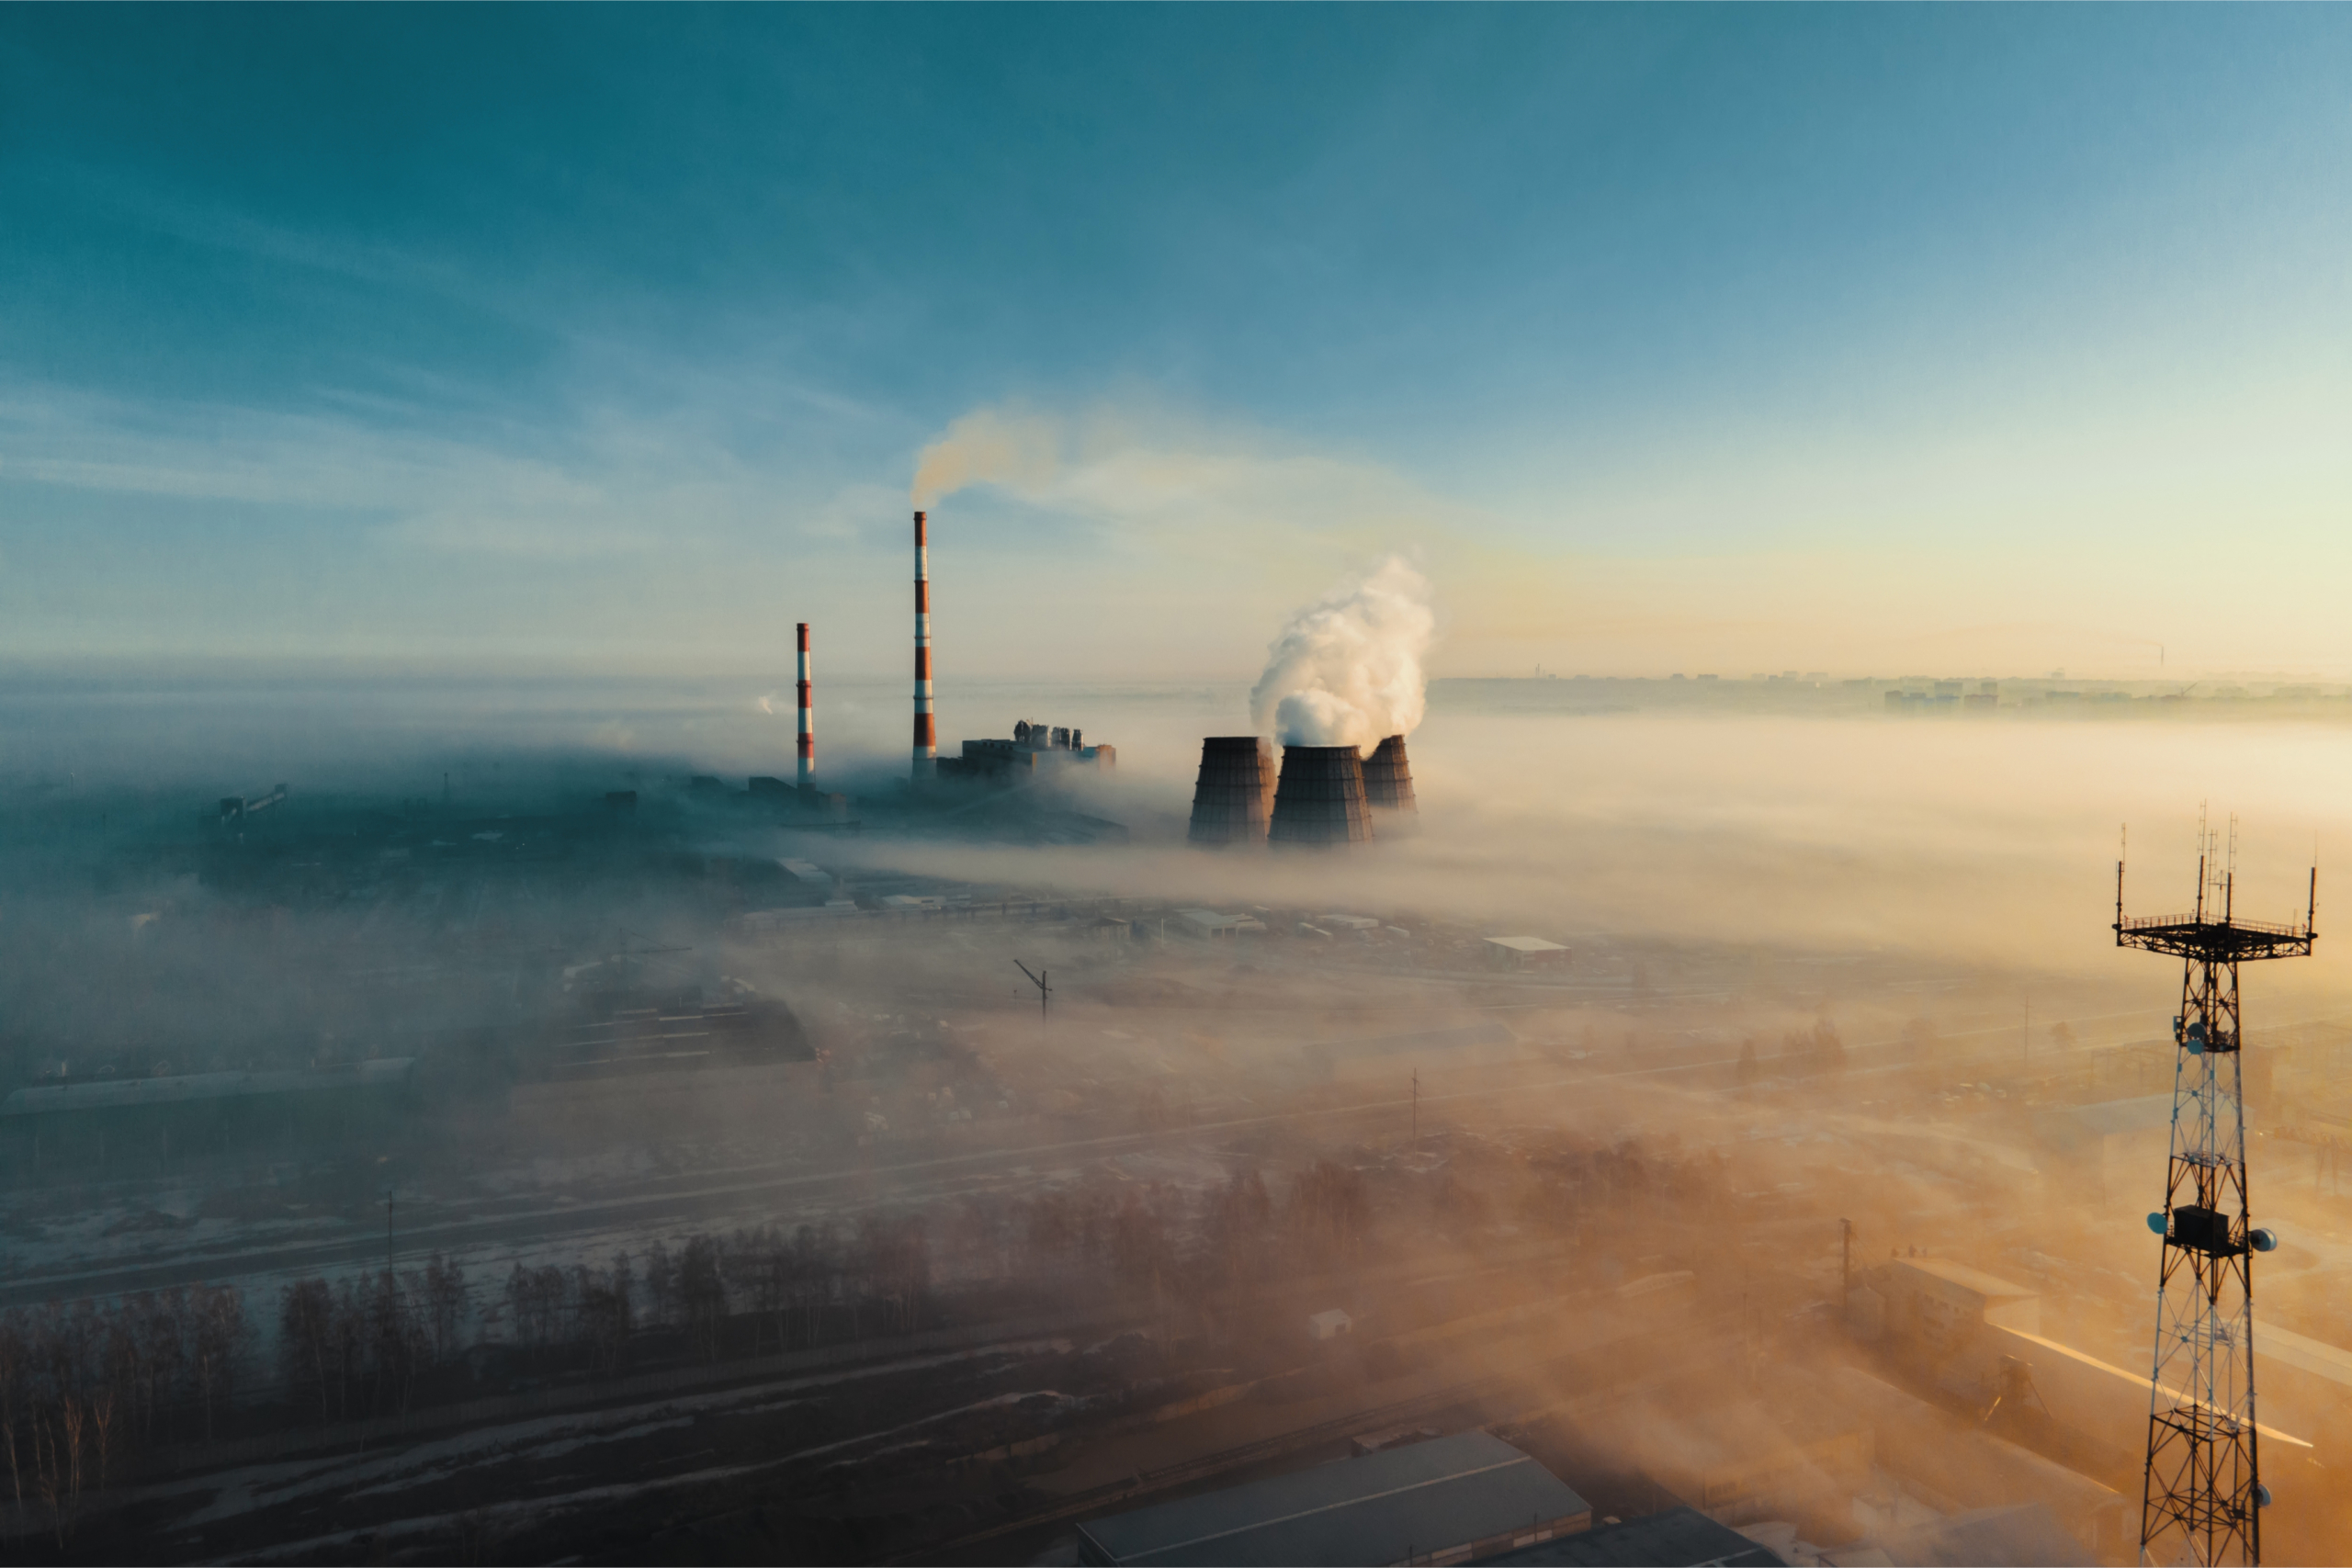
(1447, 1500)
(1525, 953)
(1210, 925)
(1679, 1538)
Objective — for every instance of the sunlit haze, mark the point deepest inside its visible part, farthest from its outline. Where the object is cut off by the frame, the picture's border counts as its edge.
(1178, 785)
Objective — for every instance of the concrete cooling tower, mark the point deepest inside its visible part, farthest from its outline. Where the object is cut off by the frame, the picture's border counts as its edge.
(1319, 799)
(1388, 778)
(1235, 792)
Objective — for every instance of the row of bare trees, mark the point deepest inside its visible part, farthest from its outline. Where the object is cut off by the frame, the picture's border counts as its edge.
(1161, 1237)
(1158, 1241)
(791, 1289)
(86, 1384)
(1804, 1052)
(357, 1346)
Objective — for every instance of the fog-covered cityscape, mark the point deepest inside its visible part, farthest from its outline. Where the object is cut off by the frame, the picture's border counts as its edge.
(873, 786)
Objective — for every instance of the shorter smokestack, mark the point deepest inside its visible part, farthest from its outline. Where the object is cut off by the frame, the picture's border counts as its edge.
(808, 720)
(1234, 793)
(926, 742)
(1320, 798)
(1388, 779)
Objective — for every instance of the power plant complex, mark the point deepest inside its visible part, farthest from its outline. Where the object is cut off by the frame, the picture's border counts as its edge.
(1033, 752)
(1320, 796)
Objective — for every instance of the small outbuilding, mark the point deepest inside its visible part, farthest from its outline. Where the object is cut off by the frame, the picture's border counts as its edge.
(1329, 1324)
(1525, 953)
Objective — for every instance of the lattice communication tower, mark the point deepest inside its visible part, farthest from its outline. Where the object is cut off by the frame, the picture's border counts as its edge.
(2202, 1494)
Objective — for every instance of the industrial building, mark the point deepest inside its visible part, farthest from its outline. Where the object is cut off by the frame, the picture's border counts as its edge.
(1034, 749)
(1208, 925)
(237, 809)
(1449, 1500)
(150, 1118)
(1679, 1538)
(1525, 953)
(2108, 1147)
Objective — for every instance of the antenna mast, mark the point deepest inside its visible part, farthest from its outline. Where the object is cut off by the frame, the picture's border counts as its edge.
(2202, 1483)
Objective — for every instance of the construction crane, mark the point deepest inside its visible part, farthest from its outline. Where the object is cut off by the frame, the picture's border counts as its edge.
(2202, 1493)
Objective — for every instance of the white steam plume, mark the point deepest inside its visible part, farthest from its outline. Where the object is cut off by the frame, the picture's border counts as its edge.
(1347, 670)
(1022, 451)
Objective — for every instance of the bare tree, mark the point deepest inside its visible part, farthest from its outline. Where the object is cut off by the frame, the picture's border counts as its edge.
(702, 1296)
(306, 1337)
(660, 1284)
(219, 1339)
(445, 1304)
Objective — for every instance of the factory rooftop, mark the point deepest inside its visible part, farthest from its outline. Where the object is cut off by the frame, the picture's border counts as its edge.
(116, 1094)
(1679, 1538)
(1446, 1500)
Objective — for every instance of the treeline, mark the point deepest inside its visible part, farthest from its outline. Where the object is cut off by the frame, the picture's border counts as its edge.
(1166, 1243)
(85, 1385)
(1802, 1051)
(765, 1288)
(358, 1345)
(372, 1345)
(1202, 1248)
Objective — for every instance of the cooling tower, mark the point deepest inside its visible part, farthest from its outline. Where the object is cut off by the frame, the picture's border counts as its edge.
(1319, 799)
(1388, 778)
(1235, 792)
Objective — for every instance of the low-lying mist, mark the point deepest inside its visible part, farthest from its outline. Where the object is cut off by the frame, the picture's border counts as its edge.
(700, 1078)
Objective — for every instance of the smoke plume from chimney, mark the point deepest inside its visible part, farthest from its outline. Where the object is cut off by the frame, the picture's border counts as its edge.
(988, 446)
(1347, 671)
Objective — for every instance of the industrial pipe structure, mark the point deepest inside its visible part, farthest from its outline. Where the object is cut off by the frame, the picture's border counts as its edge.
(808, 720)
(926, 757)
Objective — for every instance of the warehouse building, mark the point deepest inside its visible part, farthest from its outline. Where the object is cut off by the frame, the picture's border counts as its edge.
(1679, 1538)
(136, 1123)
(1447, 1500)
(1525, 953)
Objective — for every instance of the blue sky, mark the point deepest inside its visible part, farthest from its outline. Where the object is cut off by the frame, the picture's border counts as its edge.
(1674, 337)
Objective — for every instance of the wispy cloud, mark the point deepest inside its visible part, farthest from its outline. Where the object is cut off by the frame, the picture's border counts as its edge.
(614, 483)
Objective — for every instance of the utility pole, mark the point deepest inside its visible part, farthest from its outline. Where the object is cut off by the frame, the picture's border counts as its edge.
(1045, 992)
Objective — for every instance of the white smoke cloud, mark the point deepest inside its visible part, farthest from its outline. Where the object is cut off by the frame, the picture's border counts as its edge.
(1348, 670)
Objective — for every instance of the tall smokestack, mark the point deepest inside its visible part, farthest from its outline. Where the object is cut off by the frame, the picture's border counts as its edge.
(808, 720)
(1319, 799)
(926, 761)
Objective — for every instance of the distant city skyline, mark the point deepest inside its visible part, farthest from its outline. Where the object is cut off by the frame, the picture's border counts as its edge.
(1967, 340)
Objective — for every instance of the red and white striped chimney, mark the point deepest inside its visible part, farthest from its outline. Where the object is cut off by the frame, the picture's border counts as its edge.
(808, 719)
(926, 758)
